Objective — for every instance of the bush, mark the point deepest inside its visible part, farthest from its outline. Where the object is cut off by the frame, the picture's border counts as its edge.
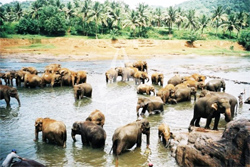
(244, 39)
(27, 26)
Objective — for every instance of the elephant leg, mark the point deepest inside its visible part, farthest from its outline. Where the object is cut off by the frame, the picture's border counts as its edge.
(197, 122)
(216, 121)
(209, 119)
(138, 143)
(7, 100)
(192, 121)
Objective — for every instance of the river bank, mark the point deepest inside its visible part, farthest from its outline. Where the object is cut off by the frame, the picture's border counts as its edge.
(75, 49)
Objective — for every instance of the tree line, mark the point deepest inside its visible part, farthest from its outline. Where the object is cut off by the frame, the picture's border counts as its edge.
(93, 19)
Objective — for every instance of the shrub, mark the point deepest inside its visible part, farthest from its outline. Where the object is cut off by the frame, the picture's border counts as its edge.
(244, 39)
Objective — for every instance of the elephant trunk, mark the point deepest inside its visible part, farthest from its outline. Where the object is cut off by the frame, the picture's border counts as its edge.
(73, 135)
(137, 109)
(36, 134)
(228, 116)
(18, 100)
(148, 138)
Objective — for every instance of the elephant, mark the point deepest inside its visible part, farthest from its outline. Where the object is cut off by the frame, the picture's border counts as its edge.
(6, 92)
(143, 88)
(128, 64)
(8, 77)
(164, 134)
(81, 90)
(232, 100)
(125, 72)
(164, 94)
(52, 131)
(198, 77)
(247, 101)
(81, 77)
(97, 117)
(140, 77)
(141, 65)
(68, 77)
(151, 104)
(27, 163)
(32, 80)
(181, 85)
(125, 137)
(209, 107)
(195, 84)
(184, 94)
(175, 80)
(52, 68)
(111, 75)
(31, 70)
(157, 78)
(19, 76)
(91, 134)
(216, 85)
(51, 78)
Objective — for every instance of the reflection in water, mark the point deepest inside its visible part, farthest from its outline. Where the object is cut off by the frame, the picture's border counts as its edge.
(118, 103)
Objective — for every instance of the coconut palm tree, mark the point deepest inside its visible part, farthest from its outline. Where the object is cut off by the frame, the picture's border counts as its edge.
(218, 17)
(231, 24)
(18, 10)
(203, 20)
(179, 17)
(191, 20)
(132, 21)
(96, 13)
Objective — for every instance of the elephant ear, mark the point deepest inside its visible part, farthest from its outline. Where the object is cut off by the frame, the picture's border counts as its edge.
(215, 106)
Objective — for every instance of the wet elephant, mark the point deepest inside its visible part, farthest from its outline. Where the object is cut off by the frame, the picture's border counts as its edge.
(81, 77)
(125, 72)
(32, 80)
(96, 117)
(19, 76)
(164, 94)
(6, 92)
(52, 68)
(91, 134)
(157, 78)
(31, 70)
(127, 136)
(175, 80)
(164, 134)
(216, 85)
(151, 104)
(184, 94)
(52, 131)
(51, 78)
(68, 77)
(27, 163)
(140, 77)
(141, 65)
(209, 107)
(82, 90)
(143, 88)
(232, 100)
(8, 77)
(111, 75)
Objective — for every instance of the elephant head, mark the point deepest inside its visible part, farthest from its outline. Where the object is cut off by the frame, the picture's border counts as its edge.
(141, 103)
(223, 106)
(145, 65)
(75, 130)
(38, 127)
(144, 75)
(145, 129)
(164, 132)
(223, 85)
(193, 92)
(13, 93)
(160, 79)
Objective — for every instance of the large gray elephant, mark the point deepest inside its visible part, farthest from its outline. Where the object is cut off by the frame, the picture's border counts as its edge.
(51, 78)
(164, 94)
(143, 88)
(125, 72)
(111, 75)
(232, 100)
(157, 78)
(151, 104)
(81, 77)
(127, 136)
(81, 90)
(209, 107)
(175, 80)
(27, 163)
(68, 77)
(141, 65)
(32, 80)
(184, 94)
(6, 92)
(52, 131)
(216, 85)
(91, 134)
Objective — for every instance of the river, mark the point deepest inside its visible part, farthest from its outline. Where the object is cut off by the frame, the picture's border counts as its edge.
(118, 103)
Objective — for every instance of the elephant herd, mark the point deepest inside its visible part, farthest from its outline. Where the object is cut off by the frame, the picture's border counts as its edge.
(210, 103)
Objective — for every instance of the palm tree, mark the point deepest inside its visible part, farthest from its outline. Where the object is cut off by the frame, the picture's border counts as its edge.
(35, 7)
(203, 20)
(18, 10)
(218, 16)
(172, 17)
(69, 11)
(191, 20)
(158, 16)
(231, 24)
(96, 14)
(179, 17)
(142, 16)
(132, 21)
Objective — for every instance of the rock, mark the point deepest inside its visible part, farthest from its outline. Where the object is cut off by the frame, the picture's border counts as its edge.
(230, 148)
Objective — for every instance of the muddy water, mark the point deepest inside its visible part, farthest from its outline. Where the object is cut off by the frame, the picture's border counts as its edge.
(118, 102)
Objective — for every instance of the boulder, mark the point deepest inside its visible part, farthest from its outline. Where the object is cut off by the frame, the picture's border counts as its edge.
(215, 148)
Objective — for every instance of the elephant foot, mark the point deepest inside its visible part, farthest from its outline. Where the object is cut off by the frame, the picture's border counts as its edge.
(207, 127)
(197, 125)
(215, 128)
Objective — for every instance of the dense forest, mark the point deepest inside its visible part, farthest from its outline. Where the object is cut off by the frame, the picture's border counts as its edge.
(208, 19)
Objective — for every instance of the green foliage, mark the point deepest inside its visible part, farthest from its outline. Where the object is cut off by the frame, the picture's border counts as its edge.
(28, 26)
(245, 39)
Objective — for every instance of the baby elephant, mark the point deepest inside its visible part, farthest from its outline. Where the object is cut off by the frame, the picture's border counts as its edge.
(143, 88)
(92, 134)
(164, 133)
(81, 90)
(6, 92)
